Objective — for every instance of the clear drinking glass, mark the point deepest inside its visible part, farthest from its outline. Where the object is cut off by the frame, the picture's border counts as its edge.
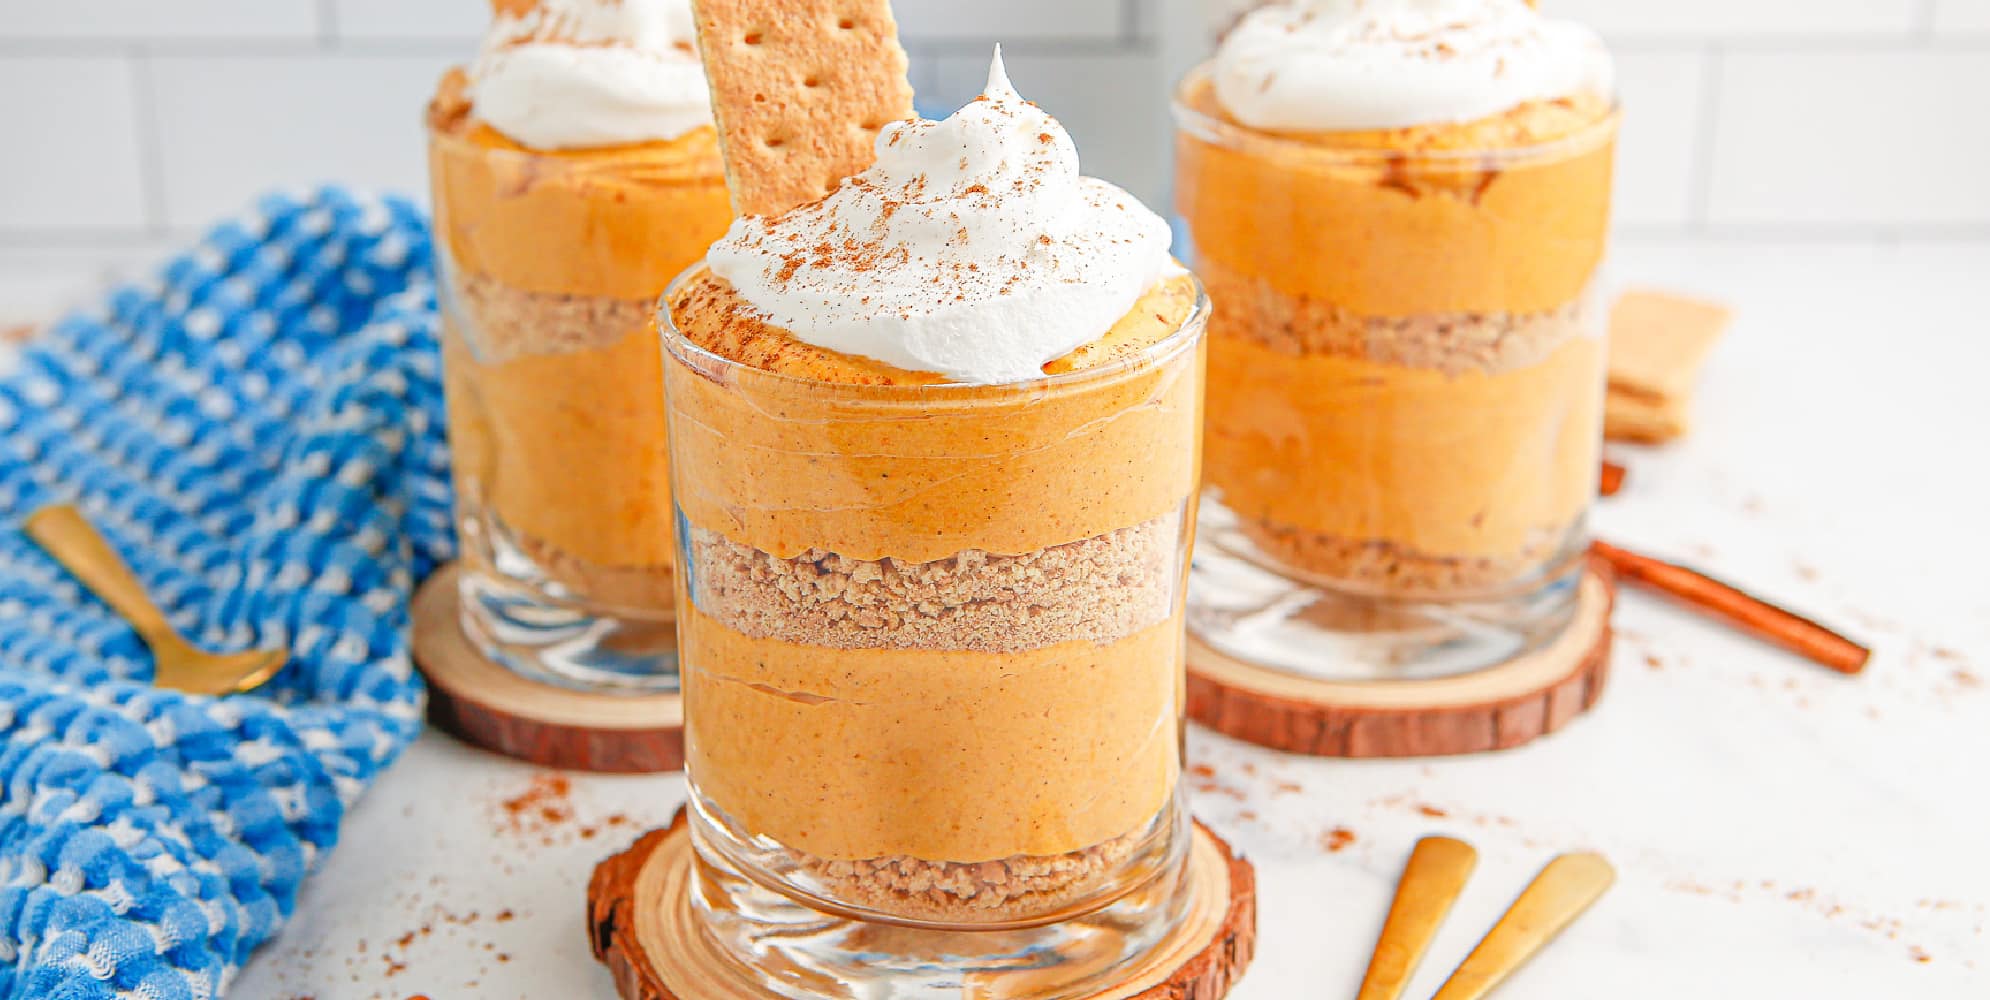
(932, 659)
(551, 264)
(1406, 389)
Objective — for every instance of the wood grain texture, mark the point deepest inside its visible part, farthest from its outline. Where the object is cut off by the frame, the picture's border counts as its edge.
(639, 923)
(1495, 709)
(491, 707)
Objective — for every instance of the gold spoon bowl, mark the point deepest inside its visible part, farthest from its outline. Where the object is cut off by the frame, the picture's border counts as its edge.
(67, 535)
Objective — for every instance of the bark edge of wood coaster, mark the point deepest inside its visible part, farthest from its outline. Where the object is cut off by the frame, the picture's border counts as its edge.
(487, 705)
(1498, 708)
(638, 919)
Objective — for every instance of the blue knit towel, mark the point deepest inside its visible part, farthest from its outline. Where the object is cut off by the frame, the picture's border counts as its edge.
(259, 432)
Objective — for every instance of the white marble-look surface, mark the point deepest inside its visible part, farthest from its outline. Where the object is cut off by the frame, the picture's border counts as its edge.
(1779, 831)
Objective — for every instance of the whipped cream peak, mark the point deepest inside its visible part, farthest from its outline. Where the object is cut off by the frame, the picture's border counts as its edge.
(571, 74)
(1347, 65)
(973, 248)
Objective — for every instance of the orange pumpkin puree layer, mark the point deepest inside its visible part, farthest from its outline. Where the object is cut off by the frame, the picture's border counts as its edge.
(555, 260)
(803, 448)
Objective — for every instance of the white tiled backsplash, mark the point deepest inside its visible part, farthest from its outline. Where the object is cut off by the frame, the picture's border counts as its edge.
(128, 122)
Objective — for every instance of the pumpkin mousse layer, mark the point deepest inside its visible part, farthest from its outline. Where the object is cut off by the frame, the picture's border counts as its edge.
(934, 557)
(560, 220)
(900, 465)
(1405, 359)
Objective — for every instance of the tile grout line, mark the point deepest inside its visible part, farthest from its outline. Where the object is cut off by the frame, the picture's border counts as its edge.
(1699, 193)
(328, 24)
(151, 142)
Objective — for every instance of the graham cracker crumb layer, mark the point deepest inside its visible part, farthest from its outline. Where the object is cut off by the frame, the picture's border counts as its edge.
(1248, 307)
(1016, 888)
(1098, 589)
(506, 322)
(1385, 567)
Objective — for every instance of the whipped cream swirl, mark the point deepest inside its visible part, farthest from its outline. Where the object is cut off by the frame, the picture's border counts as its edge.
(972, 248)
(571, 74)
(1345, 65)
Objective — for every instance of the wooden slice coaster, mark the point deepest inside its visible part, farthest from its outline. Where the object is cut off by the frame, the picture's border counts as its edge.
(1493, 709)
(639, 914)
(490, 706)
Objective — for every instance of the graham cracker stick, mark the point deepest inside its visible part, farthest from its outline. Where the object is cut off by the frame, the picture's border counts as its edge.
(800, 89)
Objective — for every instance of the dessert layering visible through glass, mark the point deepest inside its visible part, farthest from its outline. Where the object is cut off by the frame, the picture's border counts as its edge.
(550, 265)
(1405, 392)
(932, 655)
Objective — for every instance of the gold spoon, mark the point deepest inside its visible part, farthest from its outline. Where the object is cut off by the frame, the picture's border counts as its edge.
(1431, 882)
(1557, 896)
(177, 664)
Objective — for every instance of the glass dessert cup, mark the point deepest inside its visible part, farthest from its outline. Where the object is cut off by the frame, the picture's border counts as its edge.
(1406, 385)
(550, 267)
(932, 655)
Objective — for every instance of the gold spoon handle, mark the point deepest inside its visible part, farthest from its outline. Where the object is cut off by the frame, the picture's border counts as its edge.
(76, 544)
(1557, 896)
(1431, 882)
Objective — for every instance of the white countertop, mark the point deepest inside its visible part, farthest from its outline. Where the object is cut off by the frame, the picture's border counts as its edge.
(1779, 831)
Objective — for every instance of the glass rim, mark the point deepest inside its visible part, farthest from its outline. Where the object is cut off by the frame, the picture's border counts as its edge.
(1230, 134)
(710, 363)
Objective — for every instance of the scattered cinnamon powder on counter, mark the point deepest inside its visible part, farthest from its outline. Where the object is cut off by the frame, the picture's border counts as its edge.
(545, 803)
(1336, 839)
(1431, 811)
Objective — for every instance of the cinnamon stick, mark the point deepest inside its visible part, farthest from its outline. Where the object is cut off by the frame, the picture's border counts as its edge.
(1752, 614)
(1613, 479)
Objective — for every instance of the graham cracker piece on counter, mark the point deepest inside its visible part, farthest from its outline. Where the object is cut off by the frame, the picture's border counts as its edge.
(1658, 344)
(1642, 421)
(800, 89)
(1659, 341)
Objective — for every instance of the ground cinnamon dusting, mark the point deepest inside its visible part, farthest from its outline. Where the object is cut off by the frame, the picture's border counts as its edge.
(1612, 480)
(1337, 839)
(543, 811)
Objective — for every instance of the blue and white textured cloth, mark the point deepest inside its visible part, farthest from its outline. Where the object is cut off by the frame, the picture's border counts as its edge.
(259, 431)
